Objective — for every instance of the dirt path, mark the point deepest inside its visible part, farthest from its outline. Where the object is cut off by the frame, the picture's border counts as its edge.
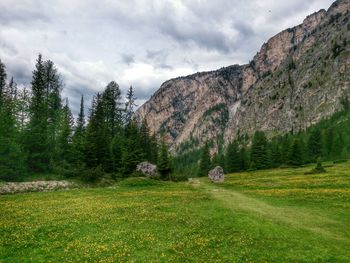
(298, 218)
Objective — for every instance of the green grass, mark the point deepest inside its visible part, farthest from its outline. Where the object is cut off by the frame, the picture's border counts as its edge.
(276, 215)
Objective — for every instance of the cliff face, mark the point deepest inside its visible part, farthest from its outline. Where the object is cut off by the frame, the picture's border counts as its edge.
(297, 78)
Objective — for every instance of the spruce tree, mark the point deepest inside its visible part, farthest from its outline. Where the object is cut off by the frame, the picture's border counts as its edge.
(259, 154)
(295, 158)
(130, 105)
(133, 153)
(205, 162)
(244, 159)
(3, 77)
(36, 140)
(11, 156)
(164, 161)
(65, 133)
(233, 158)
(315, 145)
(78, 139)
(111, 98)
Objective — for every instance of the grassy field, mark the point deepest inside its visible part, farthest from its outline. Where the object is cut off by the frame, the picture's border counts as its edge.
(277, 215)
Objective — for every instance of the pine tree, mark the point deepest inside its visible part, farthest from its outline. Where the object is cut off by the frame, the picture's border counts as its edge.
(11, 156)
(36, 141)
(244, 159)
(315, 145)
(97, 148)
(130, 105)
(148, 143)
(133, 153)
(3, 77)
(233, 158)
(53, 88)
(65, 133)
(111, 98)
(205, 162)
(337, 146)
(259, 154)
(164, 161)
(78, 139)
(295, 158)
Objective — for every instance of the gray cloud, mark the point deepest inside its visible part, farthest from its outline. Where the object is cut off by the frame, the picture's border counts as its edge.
(138, 42)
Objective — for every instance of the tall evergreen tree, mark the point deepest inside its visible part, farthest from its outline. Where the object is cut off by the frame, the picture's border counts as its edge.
(315, 145)
(205, 162)
(130, 105)
(11, 156)
(244, 159)
(133, 153)
(3, 77)
(259, 155)
(233, 158)
(296, 158)
(65, 134)
(164, 161)
(36, 141)
(112, 108)
(78, 139)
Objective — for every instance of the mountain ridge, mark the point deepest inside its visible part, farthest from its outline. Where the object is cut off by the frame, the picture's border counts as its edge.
(272, 93)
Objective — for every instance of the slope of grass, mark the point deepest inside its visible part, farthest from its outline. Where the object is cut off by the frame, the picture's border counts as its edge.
(277, 215)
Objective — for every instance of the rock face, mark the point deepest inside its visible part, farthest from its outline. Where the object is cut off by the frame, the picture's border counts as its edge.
(297, 78)
(217, 175)
(148, 169)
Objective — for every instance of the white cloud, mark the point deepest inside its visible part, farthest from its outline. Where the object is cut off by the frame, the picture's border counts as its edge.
(138, 42)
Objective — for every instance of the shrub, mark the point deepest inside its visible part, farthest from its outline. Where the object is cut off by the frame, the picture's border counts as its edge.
(93, 174)
(179, 177)
(319, 169)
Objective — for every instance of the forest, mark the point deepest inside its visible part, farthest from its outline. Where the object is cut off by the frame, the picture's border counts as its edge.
(39, 135)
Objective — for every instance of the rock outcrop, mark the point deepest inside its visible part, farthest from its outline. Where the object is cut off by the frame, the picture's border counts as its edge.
(297, 78)
(217, 175)
(36, 186)
(147, 169)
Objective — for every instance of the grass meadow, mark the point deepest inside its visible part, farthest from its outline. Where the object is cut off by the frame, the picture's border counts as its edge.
(279, 215)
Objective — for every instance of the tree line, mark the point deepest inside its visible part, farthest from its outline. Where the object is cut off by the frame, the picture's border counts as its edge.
(325, 141)
(38, 133)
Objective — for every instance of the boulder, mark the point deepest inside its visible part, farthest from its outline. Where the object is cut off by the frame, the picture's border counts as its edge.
(148, 169)
(217, 175)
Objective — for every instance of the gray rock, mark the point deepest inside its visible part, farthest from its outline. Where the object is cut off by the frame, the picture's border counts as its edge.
(148, 169)
(37, 186)
(217, 175)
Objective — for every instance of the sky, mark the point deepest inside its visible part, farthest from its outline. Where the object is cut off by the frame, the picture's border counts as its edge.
(141, 43)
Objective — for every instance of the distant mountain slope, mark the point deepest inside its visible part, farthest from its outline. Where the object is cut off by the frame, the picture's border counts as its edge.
(298, 77)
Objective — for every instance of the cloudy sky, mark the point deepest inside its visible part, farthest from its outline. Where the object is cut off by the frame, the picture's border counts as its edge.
(138, 42)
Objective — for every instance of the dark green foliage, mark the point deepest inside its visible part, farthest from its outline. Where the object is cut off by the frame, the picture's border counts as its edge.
(93, 174)
(164, 164)
(129, 105)
(259, 154)
(65, 133)
(233, 158)
(78, 139)
(133, 152)
(315, 145)
(319, 169)
(205, 162)
(36, 140)
(296, 158)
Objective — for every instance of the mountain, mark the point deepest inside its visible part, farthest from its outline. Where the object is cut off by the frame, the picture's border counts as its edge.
(297, 78)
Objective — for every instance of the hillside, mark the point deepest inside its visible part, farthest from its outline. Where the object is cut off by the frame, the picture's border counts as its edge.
(297, 78)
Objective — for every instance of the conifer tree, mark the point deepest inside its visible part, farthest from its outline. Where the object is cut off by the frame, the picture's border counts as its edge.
(205, 162)
(244, 159)
(133, 153)
(233, 158)
(78, 139)
(36, 141)
(315, 145)
(111, 98)
(164, 161)
(11, 156)
(259, 154)
(65, 134)
(130, 105)
(3, 77)
(295, 158)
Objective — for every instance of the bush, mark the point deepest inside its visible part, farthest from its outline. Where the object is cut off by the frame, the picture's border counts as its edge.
(319, 169)
(340, 161)
(93, 174)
